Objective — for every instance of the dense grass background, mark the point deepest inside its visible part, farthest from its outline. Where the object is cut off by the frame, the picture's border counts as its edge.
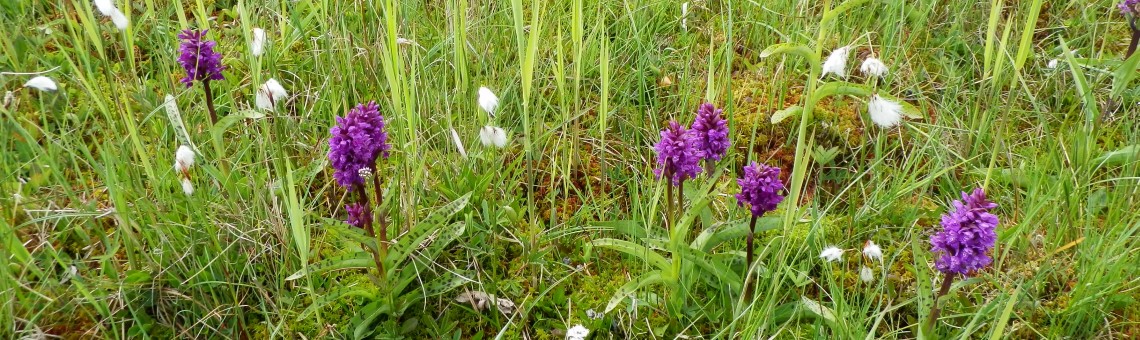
(99, 240)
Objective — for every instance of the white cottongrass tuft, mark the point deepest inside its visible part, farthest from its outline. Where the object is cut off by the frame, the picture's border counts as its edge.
(873, 67)
(187, 186)
(488, 101)
(685, 16)
(9, 98)
(872, 251)
(832, 254)
(41, 83)
(107, 7)
(885, 113)
(493, 135)
(119, 19)
(406, 42)
(1052, 65)
(270, 94)
(458, 143)
(183, 159)
(257, 46)
(866, 274)
(578, 332)
(836, 62)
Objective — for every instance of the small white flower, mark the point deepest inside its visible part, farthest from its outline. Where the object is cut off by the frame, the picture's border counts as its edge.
(257, 46)
(270, 94)
(836, 62)
(884, 113)
(866, 274)
(685, 16)
(187, 186)
(872, 251)
(9, 99)
(119, 19)
(488, 101)
(873, 67)
(578, 332)
(183, 159)
(832, 254)
(41, 83)
(1052, 65)
(458, 143)
(105, 6)
(365, 173)
(493, 135)
(406, 42)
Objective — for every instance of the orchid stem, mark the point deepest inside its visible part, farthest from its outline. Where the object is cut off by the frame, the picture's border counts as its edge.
(1135, 38)
(748, 258)
(381, 217)
(210, 102)
(934, 311)
(367, 226)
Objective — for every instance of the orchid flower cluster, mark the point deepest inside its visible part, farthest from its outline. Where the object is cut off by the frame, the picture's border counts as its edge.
(202, 64)
(963, 245)
(681, 150)
(359, 140)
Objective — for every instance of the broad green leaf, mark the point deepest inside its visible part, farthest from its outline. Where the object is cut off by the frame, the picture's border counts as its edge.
(696, 205)
(817, 309)
(356, 260)
(225, 122)
(438, 244)
(1030, 27)
(634, 249)
(1123, 74)
(362, 322)
(351, 233)
(793, 49)
(856, 90)
(1092, 111)
(1122, 156)
(404, 245)
(991, 35)
(999, 332)
(790, 111)
(631, 228)
(712, 267)
(296, 212)
(710, 238)
(833, 88)
(844, 7)
(647, 279)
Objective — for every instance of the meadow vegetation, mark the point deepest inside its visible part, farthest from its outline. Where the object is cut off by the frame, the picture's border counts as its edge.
(540, 210)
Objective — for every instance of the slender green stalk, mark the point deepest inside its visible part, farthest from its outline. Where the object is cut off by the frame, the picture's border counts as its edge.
(1135, 37)
(799, 169)
(381, 216)
(934, 311)
(210, 102)
(748, 259)
(362, 199)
